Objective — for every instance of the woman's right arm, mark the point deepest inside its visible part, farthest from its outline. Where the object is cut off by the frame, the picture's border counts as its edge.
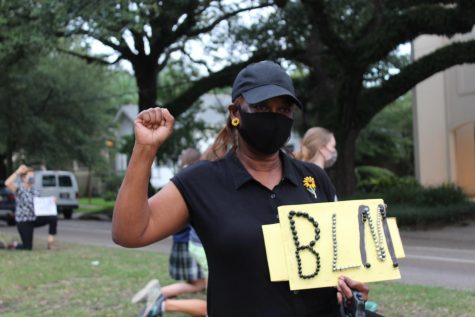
(10, 182)
(138, 221)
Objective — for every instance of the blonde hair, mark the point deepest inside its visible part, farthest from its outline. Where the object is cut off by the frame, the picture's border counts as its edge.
(188, 157)
(312, 140)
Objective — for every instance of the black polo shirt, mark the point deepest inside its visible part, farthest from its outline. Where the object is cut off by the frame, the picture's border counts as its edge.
(227, 208)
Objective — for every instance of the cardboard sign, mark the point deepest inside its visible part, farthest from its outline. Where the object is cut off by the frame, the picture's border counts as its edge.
(314, 244)
(45, 206)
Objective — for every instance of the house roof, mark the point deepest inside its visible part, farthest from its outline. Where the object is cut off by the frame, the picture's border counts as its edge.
(210, 103)
(128, 111)
(214, 109)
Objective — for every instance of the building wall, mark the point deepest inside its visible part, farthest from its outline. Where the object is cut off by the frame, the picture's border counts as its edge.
(444, 116)
(465, 157)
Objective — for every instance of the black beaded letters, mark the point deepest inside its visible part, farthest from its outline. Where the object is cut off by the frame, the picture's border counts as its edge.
(387, 234)
(309, 247)
(376, 233)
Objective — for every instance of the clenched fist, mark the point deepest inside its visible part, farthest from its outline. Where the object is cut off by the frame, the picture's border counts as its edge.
(22, 169)
(153, 126)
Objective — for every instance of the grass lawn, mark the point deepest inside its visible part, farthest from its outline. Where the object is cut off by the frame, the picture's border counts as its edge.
(66, 282)
(95, 205)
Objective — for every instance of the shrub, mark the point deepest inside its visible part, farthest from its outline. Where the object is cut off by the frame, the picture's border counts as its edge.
(373, 179)
(112, 183)
(421, 216)
(109, 196)
(415, 205)
(415, 194)
(443, 195)
(404, 193)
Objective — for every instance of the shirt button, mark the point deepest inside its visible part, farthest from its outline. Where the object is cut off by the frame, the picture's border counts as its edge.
(296, 292)
(272, 196)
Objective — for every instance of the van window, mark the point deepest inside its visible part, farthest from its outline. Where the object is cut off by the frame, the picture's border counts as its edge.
(49, 181)
(65, 181)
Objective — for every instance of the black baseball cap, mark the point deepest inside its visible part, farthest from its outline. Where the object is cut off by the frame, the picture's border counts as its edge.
(261, 81)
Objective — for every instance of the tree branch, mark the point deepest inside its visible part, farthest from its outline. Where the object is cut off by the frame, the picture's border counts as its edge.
(222, 78)
(327, 34)
(42, 106)
(167, 54)
(88, 58)
(195, 61)
(402, 28)
(375, 21)
(373, 100)
(226, 16)
(123, 48)
(138, 42)
(162, 26)
(164, 22)
(405, 4)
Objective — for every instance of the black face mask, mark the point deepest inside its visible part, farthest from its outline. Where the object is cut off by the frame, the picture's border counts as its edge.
(266, 132)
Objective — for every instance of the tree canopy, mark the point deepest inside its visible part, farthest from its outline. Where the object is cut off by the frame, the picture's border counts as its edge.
(147, 34)
(347, 51)
(55, 112)
(343, 53)
(387, 141)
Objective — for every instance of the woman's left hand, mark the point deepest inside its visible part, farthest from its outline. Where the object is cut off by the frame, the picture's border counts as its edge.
(344, 286)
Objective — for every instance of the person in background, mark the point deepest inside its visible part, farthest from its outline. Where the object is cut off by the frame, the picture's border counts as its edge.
(194, 307)
(156, 303)
(21, 182)
(183, 267)
(318, 146)
(228, 200)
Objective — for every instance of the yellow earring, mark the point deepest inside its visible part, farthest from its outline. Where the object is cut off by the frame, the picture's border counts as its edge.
(235, 122)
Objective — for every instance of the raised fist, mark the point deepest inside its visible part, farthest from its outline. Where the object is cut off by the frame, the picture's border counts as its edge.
(22, 169)
(153, 126)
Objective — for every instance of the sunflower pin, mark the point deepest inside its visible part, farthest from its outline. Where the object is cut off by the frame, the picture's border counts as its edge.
(309, 183)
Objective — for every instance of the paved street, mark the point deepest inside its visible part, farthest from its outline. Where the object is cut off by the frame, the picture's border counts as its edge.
(443, 257)
(87, 232)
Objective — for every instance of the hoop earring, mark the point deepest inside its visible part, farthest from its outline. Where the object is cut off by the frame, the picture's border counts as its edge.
(235, 122)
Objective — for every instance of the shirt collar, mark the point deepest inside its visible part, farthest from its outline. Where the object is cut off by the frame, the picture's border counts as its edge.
(241, 176)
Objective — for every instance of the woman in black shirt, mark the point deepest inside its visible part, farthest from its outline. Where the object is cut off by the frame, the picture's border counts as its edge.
(228, 200)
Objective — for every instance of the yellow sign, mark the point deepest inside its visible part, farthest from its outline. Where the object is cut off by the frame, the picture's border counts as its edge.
(314, 244)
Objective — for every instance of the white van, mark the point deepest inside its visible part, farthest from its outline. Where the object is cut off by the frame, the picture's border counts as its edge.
(61, 184)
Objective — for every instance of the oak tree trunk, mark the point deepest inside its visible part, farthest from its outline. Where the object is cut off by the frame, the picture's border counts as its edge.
(146, 79)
